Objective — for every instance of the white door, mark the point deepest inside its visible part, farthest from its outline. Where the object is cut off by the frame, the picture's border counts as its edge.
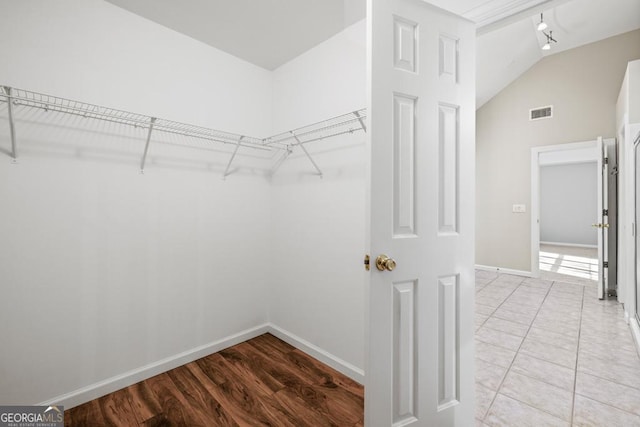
(601, 220)
(636, 237)
(421, 80)
(607, 239)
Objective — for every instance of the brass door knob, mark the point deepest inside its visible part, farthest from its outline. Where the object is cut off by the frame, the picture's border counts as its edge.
(383, 262)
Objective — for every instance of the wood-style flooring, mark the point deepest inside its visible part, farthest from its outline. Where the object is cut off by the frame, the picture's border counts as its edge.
(263, 381)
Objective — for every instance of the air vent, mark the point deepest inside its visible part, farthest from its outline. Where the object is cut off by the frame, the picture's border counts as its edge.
(541, 113)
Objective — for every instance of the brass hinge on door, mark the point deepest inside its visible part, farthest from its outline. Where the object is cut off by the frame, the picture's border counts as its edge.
(367, 262)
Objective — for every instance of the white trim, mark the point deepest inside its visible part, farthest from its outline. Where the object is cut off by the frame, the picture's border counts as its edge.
(93, 391)
(635, 331)
(572, 245)
(504, 270)
(535, 212)
(101, 388)
(316, 352)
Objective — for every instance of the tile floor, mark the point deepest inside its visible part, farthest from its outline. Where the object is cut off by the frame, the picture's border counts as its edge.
(550, 353)
(557, 262)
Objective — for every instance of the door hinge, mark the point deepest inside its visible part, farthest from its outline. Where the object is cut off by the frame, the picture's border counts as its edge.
(606, 160)
(605, 212)
(367, 262)
(605, 264)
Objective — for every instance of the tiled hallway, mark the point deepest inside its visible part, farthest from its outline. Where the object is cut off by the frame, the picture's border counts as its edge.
(550, 353)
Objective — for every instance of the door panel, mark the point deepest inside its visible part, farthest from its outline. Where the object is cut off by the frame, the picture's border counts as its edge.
(611, 182)
(601, 220)
(636, 151)
(607, 218)
(421, 137)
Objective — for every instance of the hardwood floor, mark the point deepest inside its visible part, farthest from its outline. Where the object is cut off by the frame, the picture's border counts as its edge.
(263, 381)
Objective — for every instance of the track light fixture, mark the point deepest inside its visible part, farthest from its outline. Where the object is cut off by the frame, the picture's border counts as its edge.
(550, 39)
(542, 25)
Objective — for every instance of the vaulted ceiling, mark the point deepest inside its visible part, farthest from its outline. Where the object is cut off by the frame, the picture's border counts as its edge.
(269, 33)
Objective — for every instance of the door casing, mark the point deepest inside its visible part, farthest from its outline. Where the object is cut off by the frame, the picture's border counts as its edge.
(576, 152)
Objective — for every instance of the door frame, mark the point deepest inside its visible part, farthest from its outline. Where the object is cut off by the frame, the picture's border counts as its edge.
(631, 276)
(559, 154)
(627, 135)
(634, 304)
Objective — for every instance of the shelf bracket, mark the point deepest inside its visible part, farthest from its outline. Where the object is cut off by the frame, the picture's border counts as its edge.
(359, 117)
(307, 153)
(12, 129)
(226, 171)
(285, 155)
(146, 145)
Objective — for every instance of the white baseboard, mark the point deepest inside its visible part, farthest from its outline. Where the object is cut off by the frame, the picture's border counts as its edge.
(571, 245)
(504, 270)
(316, 352)
(93, 391)
(635, 331)
(96, 390)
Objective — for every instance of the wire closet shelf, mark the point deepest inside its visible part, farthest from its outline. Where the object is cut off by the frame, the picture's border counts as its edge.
(335, 126)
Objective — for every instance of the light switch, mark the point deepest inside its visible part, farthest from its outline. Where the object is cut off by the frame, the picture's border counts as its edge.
(519, 208)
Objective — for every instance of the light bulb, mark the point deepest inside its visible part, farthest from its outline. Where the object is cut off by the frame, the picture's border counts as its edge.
(542, 26)
(546, 46)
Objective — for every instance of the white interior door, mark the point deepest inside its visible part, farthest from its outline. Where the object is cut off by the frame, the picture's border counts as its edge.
(636, 235)
(421, 134)
(607, 221)
(600, 219)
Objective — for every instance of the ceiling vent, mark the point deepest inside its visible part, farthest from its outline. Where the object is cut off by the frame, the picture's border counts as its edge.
(541, 113)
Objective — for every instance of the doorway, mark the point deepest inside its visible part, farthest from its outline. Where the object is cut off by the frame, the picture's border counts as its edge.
(568, 204)
(573, 213)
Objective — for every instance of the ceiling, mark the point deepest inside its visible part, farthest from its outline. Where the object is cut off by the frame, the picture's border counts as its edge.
(269, 33)
(508, 48)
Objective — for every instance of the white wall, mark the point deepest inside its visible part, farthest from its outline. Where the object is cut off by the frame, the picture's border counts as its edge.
(568, 204)
(93, 50)
(318, 223)
(628, 106)
(582, 84)
(633, 70)
(628, 127)
(104, 270)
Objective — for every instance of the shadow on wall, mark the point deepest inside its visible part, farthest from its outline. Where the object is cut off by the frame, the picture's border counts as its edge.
(49, 134)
